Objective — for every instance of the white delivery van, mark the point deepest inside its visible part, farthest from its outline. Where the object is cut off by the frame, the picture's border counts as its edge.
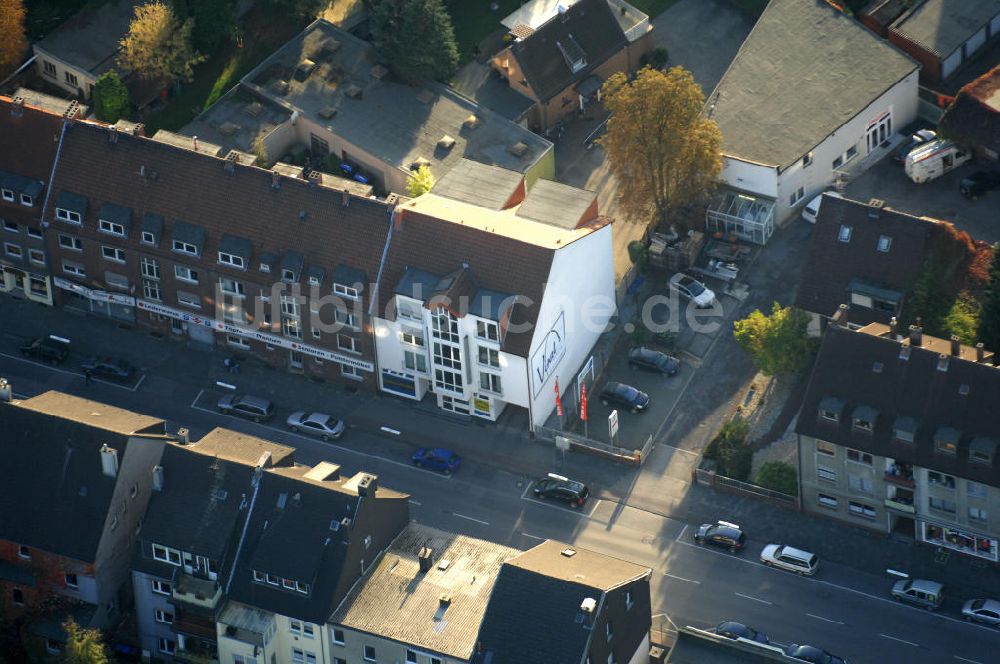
(934, 159)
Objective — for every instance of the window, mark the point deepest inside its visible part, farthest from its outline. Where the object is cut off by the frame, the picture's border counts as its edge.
(411, 657)
(189, 300)
(71, 79)
(826, 474)
(486, 329)
(68, 216)
(350, 372)
(149, 267)
(851, 153)
(415, 361)
(33, 232)
(444, 325)
(884, 242)
(859, 483)
(185, 248)
(244, 659)
(273, 580)
(290, 305)
(185, 273)
(287, 275)
(167, 646)
(291, 327)
(17, 596)
(449, 380)
(148, 238)
(338, 637)
(348, 343)
(977, 514)
(27, 200)
(288, 584)
(837, 163)
(340, 660)
(310, 658)
(344, 318)
(941, 504)
(49, 68)
(945, 446)
(70, 242)
(110, 227)
(447, 356)
(163, 617)
(807, 159)
(435, 660)
(53, 647)
(845, 233)
(232, 260)
(316, 333)
(71, 581)
(8, 195)
(73, 268)
(824, 447)
(826, 501)
(940, 479)
(302, 588)
(166, 554)
(859, 457)
(13, 250)
(345, 291)
(24, 552)
(408, 310)
(831, 415)
(413, 338)
(258, 576)
(975, 489)
(295, 627)
(162, 587)
(37, 256)
(307, 630)
(369, 653)
(113, 254)
(11, 226)
(489, 382)
(231, 287)
(862, 510)
(862, 425)
(151, 290)
(489, 356)
(796, 196)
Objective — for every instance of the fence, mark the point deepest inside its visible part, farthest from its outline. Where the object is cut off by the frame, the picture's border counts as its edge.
(580, 443)
(709, 478)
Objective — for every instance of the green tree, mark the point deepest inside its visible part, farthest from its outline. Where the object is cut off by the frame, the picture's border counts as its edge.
(158, 45)
(83, 646)
(778, 343)
(730, 451)
(420, 181)
(13, 43)
(665, 154)
(214, 21)
(302, 9)
(962, 319)
(779, 476)
(416, 39)
(110, 97)
(989, 321)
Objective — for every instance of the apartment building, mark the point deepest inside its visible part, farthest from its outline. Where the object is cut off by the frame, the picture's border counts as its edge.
(896, 434)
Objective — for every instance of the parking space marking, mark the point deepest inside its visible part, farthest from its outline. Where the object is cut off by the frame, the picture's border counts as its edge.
(755, 599)
(966, 659)
(683, 530)
(200, 392)
(681, 578)
(893, 638)
(470, 518)
(534, 537)
(835, 622)
(413, 502)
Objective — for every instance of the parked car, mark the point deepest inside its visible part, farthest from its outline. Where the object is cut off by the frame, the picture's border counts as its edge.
(979, 184)
(253, 408)
(108, 367)
(811, 209)
(654, 360)
(789, 558)
(49, 349)
(735, 630)
(813, 654)
(624, 395)
(437, 458)
(557, 487)
(919, 592)
(325, 426)
(919, 138)
(986, 611)
(722, 533)
(691, 289)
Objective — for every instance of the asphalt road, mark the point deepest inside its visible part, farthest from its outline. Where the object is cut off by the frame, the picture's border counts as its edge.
(841, 609)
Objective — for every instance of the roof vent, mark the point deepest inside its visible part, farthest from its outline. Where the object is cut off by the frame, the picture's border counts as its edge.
(327, 112)
(157, 478)
(444, 599)
(956, 346)
(916, 335)
(334, 525)
(588, 605)
(942, 364)
(220, 494)
(471, 122)
(275, 180)
(418, 162)
(367, 485)
(282, 500)
(980, 352)
(425, 96)
(304, 69)
(183, 435)
(109, 461)
(444, 565)
(231, 161)
(353, 91)
(877, 367)
(519, 149)
(569, 553)
(446, 142)
(112, 134)
(875, 206)
(426, 559)
(378, 72)
(281, 87)
(17, 106)
(963, 389)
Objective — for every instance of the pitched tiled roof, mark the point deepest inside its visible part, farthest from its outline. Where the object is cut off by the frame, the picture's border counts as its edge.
(28, 141)
(974, 118)
(833, 265)
(54, 495)
(588, 28)
(942, 26)
(961, 397)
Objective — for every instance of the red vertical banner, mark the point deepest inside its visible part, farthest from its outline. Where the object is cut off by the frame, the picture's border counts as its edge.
(583, 402)
(559, 408)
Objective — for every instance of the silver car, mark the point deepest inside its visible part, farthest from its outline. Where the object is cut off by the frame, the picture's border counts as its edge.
(986, 611)
(325, 426)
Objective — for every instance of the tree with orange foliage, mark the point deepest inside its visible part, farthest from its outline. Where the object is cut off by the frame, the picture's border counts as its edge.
(12, 41)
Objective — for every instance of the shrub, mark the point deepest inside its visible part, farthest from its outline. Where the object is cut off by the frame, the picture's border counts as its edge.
(962, 320)
(110, 97)
(730, 451)
(778, 476)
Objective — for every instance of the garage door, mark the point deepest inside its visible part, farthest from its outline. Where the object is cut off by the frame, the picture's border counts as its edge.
(951, 63)
(975, 42)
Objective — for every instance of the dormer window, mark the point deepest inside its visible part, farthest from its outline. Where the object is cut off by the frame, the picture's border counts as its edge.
(904, 429)
(884, 242)
(864, 418)
(148, 238)
(845, 233)
(231, 260)
(291, 266)
(185, 248)
(830, 409)
(68, 216)
(345, 291)
(111, 228)
(8, 195)
(235, 251)
(27, 200)
(982, 450)
(487, 329)
(946, 440)
(287, 275)
(572, 53)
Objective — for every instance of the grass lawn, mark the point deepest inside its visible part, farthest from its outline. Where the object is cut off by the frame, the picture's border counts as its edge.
(474, 21)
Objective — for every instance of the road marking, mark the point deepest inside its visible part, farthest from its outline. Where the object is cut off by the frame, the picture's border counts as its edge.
(680, 578)
(139, 383)
(394, 432)
(893, 638)
(756, 599)
(683, 530)
(469, 518)
(835, 622)
(535, 537)
(200, 392)
(966, 659)
(413, 502)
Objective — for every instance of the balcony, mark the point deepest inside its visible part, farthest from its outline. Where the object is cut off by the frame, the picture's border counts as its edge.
(197, 654)
(246, 624)
(196, 592)
(900, 505)
(899, 473)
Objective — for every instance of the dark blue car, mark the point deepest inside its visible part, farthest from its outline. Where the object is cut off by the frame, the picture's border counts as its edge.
(438, 458)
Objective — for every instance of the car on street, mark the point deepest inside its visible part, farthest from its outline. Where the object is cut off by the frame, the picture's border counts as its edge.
(562, 489)
(691, 289)
(253, 408)
(812, 654)
(790, 559)
(986, 611)
(51, 349)
(979, 184)
(919, 592)
(108, 367)
(325, 426)
(735, 630)
(437, 458)
(919, 138)
(811, 209)
(624, 395)
(653, 360)
(723, 534)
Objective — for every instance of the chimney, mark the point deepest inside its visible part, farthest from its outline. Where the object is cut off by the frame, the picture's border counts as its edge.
(367, 485)
(345, 198)
(345, 530)
(426, 559)
(956, 346)
(444, 600)
(17, 106)
(157, 478)
(109, 461)
(942, 362)
(231, 162)
(904, 351)
(840, 316)
(875, 206)
(588, 607)
(980, 354)
(194, 141)
(275, 181)
(916, 335)
(183, 436)
(112, 134)
(893, 328)
(7, 394)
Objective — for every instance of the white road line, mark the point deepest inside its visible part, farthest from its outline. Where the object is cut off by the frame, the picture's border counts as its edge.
(893, 638)
(139, 383)
(966, 659)
(680, 578)
(534, 537)
(835, 622)
(683, 530)
(469, 518)
(413, 502)
(755, 599)
(200, 392)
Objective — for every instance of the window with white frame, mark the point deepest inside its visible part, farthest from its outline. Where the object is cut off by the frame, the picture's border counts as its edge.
(411, 337)
(36, 256)
(148, 237)
(345, 318)
(113, 254)
(265, 268)
(27, 200)
(189, 299)
(316, 333)
(8, 194)
(348, 292)
(940, 479)
(415, 361)
(163, 616)
(411, 656)
(288, 584)
(489, 356)
(295, 627)
(70, 242)
(149, 267)
(861, 509)
(291, 327)
(13, 250)
(302, 588)
(826, 501)
(449, 380)
(941, 504)
(232, 260)
(290, 305)
(857, 456)
(233, 312)
(845, 233)
(151, 290)
(884, 242)
(977, 514)
(167, 646)
(298, 656)
(161, 587)
(166, 554)
(408, 310)
(72, 581)
(490, 382)
(826, 474)
(70, 78)
(350, 372)
(185, 248)
(69, 216)
(859, 483)
(976, 490)
(444, 325)
(369, 653)
(338, 636)
(287, 274)
(446, 355)
(796, 196)
(53, 647)
(807, 159)
(185, 273)
(33, 232)
(487, 329)
(110, 227)
(244, 659)
(348, 343)
(75, 269)
(11, 226)
(231, 287)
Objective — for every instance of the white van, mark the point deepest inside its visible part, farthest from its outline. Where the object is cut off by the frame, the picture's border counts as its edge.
(932, 160)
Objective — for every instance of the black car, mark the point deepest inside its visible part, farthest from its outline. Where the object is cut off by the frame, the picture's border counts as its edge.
(722, 533)
(735, 630)
(557, 487)
(919, 138)
(813, 654)
(654, 360)
(979, 184)
(108, 367)
(50, 349)
(624, 395)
